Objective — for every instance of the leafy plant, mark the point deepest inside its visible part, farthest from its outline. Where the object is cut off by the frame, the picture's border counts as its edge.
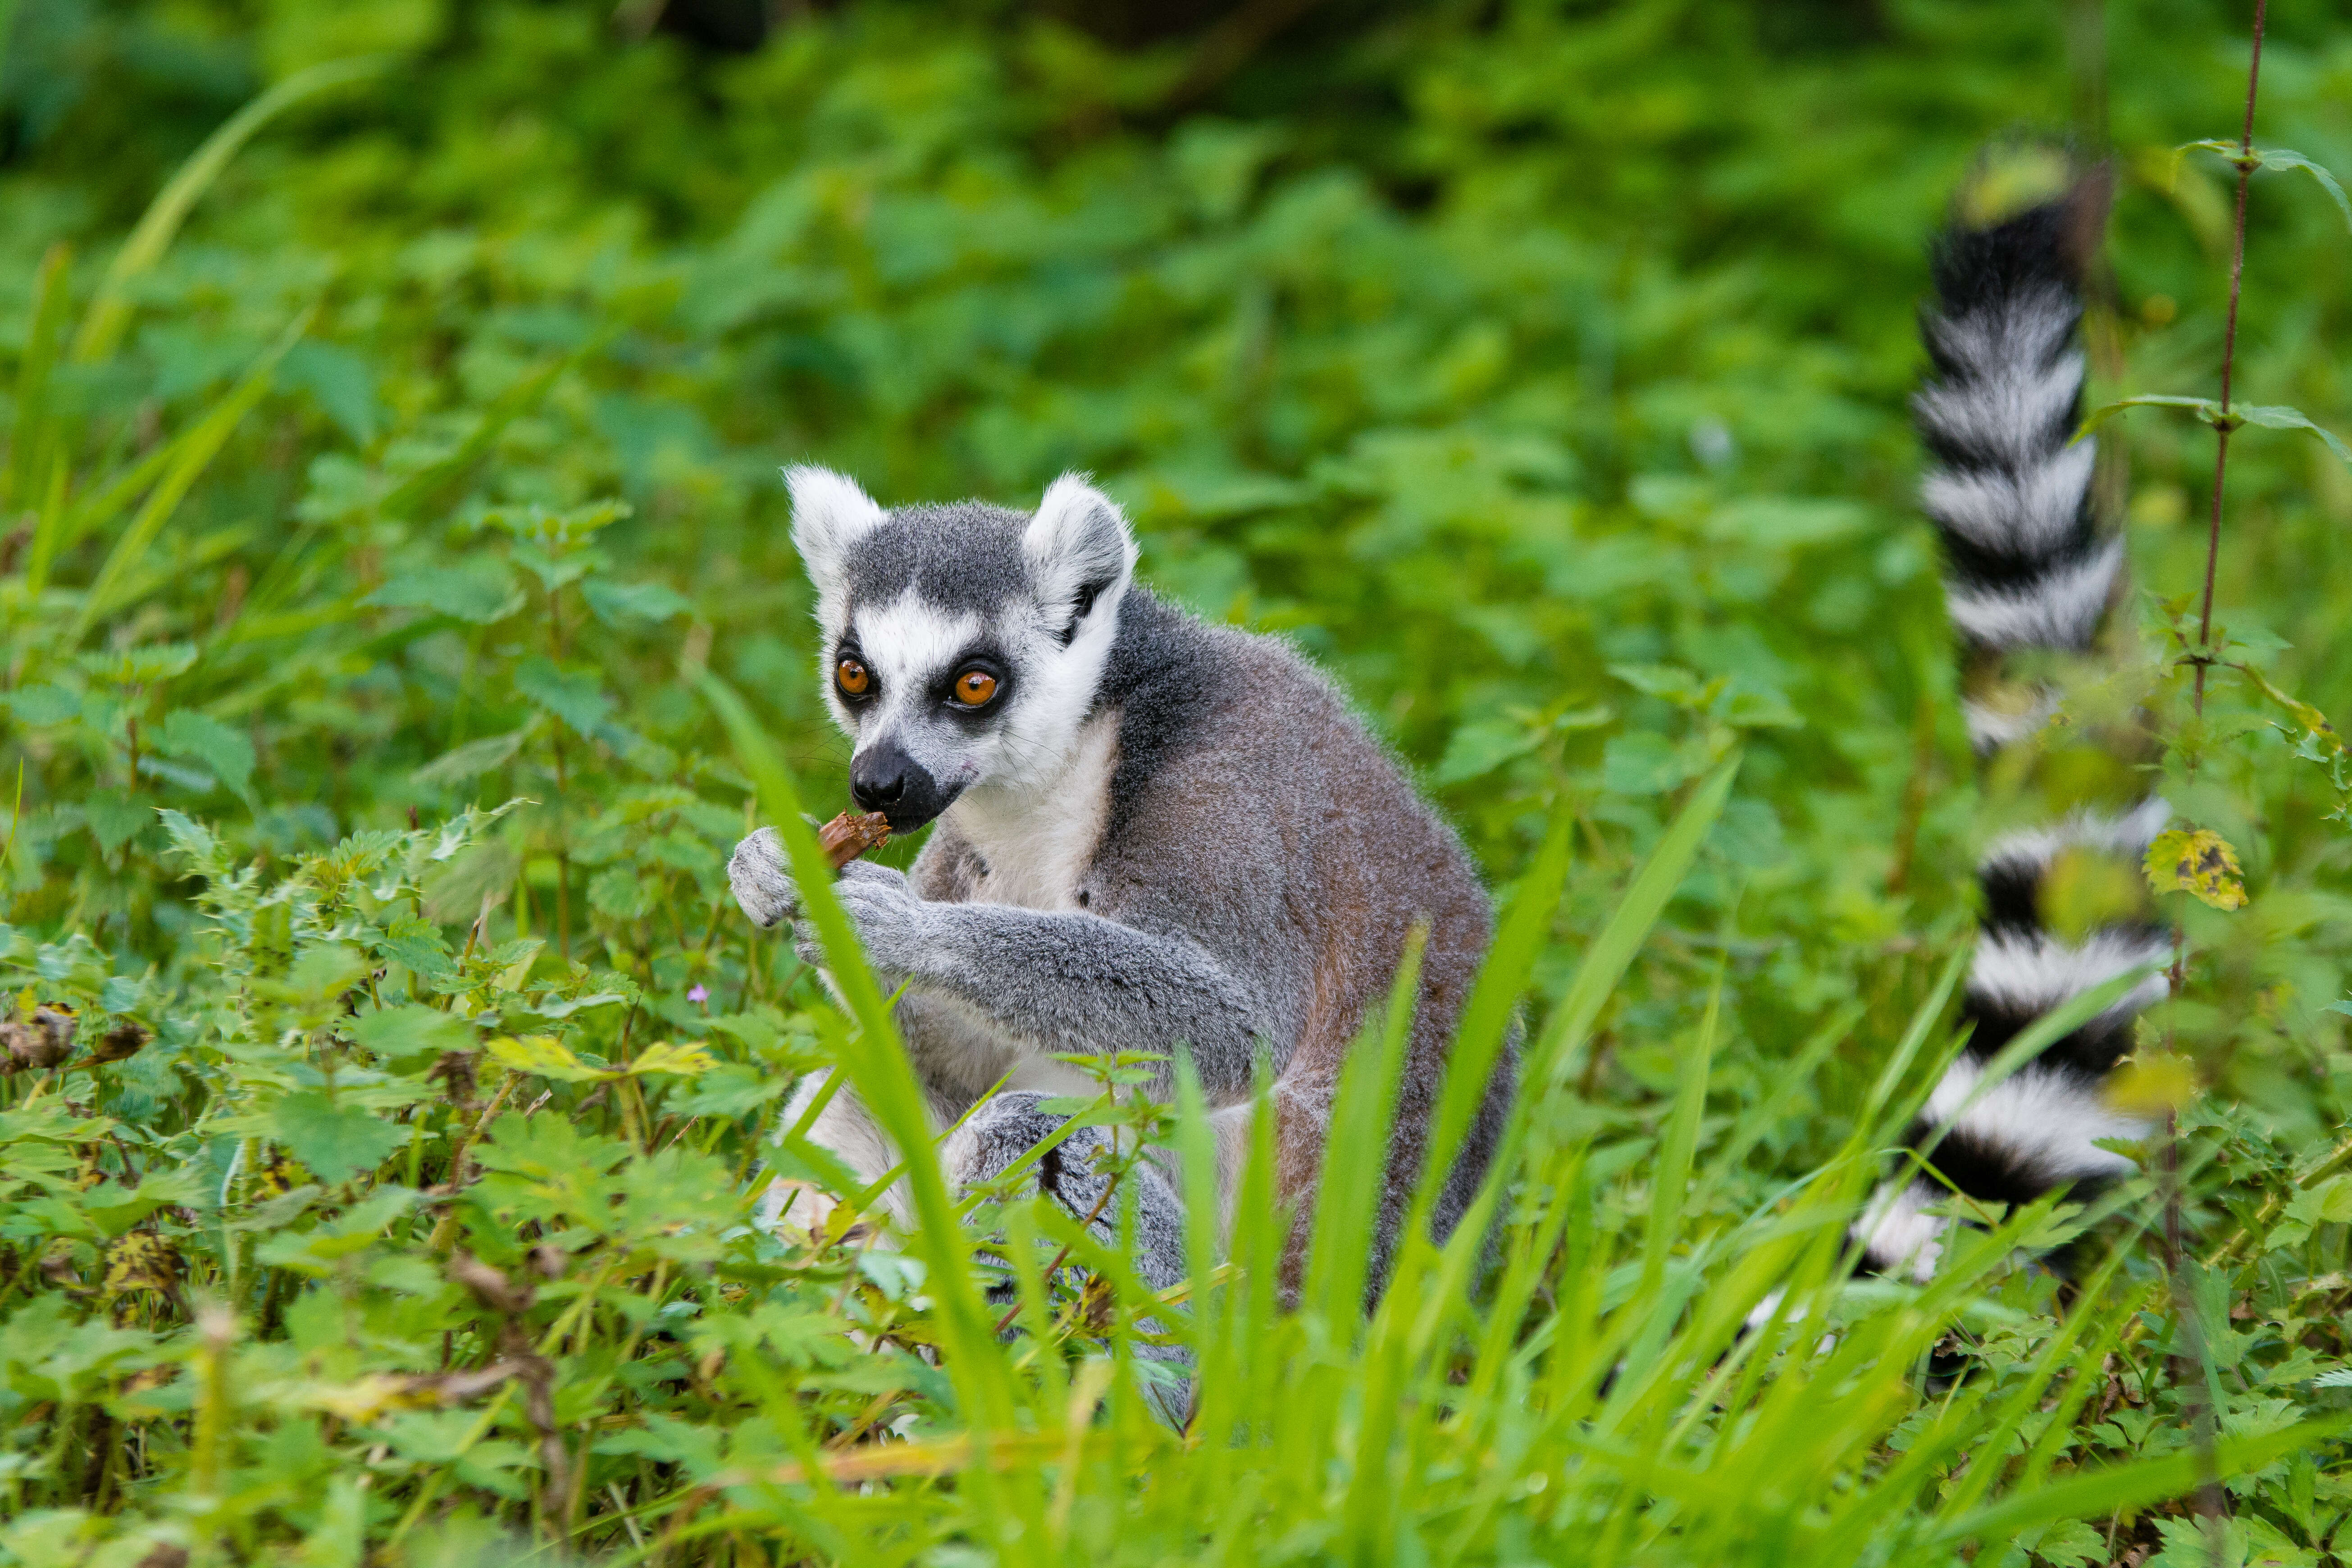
(401, 628)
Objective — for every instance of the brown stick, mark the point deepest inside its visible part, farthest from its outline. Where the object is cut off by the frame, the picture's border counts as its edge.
(852, 833)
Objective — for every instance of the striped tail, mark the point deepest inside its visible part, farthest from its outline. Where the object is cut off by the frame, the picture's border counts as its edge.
(2030, 573)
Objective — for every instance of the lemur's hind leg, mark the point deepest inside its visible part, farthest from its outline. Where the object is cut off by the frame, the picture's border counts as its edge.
(1076, 1173)
(846, 1128)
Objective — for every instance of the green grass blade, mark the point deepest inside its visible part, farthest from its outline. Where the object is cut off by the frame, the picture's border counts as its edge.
(28, 441)
(1487, 1016)
(880, 1073)
(110, 311)
(1612, 954)
(2138, 1484)
(192, 452)
(1355, 1159)
(1680, 1143)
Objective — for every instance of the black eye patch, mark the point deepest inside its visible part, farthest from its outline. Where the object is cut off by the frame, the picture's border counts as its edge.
(985, 661)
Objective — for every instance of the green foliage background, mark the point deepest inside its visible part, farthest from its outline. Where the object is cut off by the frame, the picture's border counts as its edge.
(1539, 368)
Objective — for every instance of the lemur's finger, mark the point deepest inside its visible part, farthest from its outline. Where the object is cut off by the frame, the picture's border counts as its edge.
(761, 881)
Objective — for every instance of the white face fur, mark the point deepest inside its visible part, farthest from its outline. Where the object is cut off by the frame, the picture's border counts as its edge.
(924, 610)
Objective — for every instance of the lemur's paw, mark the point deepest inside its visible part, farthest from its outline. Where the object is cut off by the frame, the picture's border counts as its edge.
(889, 916)
(762, 879)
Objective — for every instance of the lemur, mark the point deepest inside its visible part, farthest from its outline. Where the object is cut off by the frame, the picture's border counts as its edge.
(2031, 574)
(1151, 834)
(1159, 834)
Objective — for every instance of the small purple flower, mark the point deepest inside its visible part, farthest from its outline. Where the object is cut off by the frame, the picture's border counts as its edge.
(697, 995)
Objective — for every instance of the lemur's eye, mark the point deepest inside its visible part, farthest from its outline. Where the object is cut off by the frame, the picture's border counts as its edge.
(851, 678)
(975, 687)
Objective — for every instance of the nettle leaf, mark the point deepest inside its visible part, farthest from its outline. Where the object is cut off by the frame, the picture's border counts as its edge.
(335, 1142)
(228, 751)
(2330, 1203)
(40, 706)
(113, 818)
(417, 943)
(2199, 862)
(340, 382)
(614, 603)
(1479, 747)
(1646, 764)
(729, 1089)
(681, 1061)
(543, 1055)
(481, 594)
(142, 666)
(573, 696)
(408, 1034)
(463, 765)
(620, 894)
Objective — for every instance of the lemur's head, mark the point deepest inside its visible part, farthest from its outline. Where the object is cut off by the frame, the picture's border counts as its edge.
(962, 644)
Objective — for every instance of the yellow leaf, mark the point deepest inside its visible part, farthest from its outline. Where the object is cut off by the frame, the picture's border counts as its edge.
(687, 1061)
(540, 1054)
(2083, 891)
(2199, 862)
(362, 1401)
(2150, 1086)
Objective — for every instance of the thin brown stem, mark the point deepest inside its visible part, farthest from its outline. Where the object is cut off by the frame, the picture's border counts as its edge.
(2230, 347)
(1062, 1257)
(564, 860)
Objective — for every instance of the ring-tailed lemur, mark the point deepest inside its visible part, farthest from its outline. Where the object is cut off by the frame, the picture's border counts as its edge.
(1153, 835)
(2032, 573)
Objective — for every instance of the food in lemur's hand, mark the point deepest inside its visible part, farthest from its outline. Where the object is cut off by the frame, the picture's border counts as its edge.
(852, 833)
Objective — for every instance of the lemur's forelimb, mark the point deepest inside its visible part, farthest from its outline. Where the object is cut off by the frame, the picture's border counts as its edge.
(1051, 981)
(1061, 981)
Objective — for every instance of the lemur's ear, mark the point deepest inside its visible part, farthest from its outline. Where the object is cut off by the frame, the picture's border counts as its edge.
(1079, 546)
(829, 514)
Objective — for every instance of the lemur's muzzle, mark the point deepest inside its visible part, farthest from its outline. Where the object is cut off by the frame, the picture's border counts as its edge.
(884, 778)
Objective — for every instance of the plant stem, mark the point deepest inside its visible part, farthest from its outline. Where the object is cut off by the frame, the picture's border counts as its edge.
(2230, 349)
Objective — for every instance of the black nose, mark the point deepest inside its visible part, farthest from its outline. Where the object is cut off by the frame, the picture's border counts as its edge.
(884, 778)
(878, 778)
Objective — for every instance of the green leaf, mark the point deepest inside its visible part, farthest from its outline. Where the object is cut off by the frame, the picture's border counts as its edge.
(335, 1142)
(1482, 745)
(482, 594)
(574, 696)
(2270, 416)
(418, 945)
(113, 818)
(1644, 764)
(2279, 158)
(2330, 1203)
(341, 383)
(405, 1035)
(618, 891)
(614, 603)
(43, 705)
(462, 764)
(228, 753)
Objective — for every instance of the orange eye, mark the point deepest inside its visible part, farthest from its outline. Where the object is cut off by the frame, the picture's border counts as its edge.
(851, 678)
(973, 688)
